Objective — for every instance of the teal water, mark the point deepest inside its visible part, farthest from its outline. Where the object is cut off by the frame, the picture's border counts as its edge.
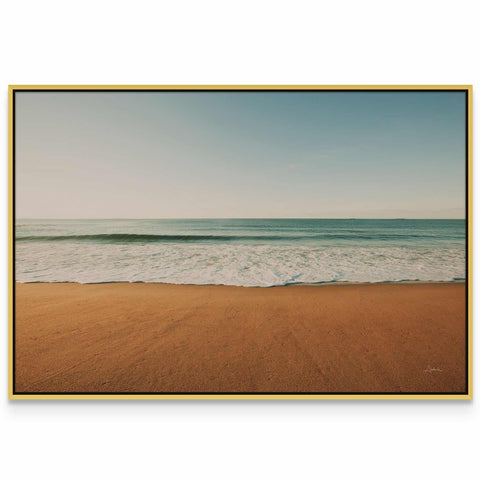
(331, 232)
(251, 252)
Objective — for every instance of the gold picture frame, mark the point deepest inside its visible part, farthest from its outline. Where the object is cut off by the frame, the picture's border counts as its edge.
(367, 396)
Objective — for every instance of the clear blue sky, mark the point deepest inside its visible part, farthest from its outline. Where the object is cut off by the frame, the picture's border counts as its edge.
(208, 154)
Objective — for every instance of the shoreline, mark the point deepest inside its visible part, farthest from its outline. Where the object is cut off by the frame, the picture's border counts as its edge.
(164, 338)
(300, 284)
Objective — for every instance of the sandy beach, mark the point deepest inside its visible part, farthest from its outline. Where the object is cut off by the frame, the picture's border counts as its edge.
(181, 338)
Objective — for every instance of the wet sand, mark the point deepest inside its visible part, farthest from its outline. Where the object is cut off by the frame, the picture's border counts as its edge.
(212, 339)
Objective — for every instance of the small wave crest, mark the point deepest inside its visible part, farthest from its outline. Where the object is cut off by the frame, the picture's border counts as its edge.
(151, 238)
(144, 238)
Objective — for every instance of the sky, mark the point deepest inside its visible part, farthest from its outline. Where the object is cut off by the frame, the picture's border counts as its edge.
(240, 155)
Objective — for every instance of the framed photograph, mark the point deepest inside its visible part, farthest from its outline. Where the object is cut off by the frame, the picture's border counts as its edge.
(246, 242)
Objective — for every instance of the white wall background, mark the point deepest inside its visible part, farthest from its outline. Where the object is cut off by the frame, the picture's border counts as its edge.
(261, 42)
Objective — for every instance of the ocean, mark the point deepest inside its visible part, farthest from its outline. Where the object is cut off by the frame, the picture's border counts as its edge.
(246, 252)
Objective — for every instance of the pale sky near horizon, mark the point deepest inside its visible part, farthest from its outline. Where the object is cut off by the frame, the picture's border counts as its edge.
(242, 154)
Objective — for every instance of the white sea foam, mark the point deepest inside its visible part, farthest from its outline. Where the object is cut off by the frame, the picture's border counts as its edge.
(228, 264)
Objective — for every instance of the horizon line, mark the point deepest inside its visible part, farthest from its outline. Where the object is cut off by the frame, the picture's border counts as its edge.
(240, 218)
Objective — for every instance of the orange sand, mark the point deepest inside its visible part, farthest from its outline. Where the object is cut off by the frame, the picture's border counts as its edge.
(182, 338)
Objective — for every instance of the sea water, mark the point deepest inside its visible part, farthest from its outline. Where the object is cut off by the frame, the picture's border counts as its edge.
(247, 252)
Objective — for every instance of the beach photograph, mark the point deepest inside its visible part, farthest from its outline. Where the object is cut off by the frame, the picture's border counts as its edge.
(240, 242)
